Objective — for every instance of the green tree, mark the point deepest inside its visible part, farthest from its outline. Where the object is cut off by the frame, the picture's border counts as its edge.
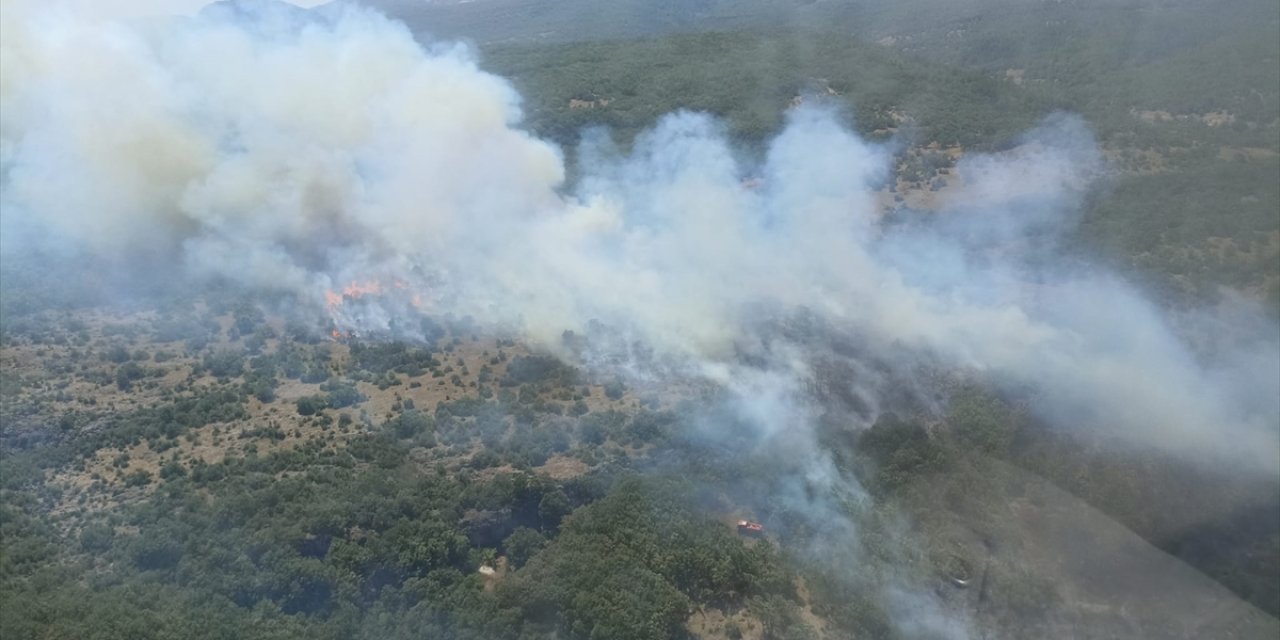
(311, 405)
(522, 544)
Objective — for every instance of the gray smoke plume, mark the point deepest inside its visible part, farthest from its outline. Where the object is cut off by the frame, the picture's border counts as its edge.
(329, 155)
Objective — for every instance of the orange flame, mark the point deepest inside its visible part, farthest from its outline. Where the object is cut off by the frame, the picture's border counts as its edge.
(353, 291)
(357, 289)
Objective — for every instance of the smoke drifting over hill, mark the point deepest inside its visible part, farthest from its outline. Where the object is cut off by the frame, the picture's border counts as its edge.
(312, 153)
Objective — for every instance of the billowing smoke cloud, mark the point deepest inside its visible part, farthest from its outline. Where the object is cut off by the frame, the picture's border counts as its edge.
(312, 153)
(329, 156)
(322, 152)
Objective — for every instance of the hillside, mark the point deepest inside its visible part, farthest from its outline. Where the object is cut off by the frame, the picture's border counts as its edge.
(1183, 94)
(642, 319)
(419, 465)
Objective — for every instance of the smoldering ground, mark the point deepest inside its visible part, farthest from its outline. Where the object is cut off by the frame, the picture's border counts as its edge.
(304, 154)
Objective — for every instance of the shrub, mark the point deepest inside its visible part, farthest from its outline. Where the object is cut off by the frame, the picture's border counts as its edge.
(139, 478)
(311, 405)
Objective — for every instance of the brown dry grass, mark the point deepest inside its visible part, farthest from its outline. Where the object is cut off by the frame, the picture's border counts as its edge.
(710, 623)
(98, 484)
(561, 467)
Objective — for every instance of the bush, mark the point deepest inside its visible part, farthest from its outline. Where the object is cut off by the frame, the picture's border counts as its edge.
(172, 470)
(311, 405)
(343, 395)
(127, 373)
(411, 423)
(139, 478)
(224, 363)
(155, 552)
(96, 538)
(118, 354)
(522, 545)
(532, 369)
(614, 390)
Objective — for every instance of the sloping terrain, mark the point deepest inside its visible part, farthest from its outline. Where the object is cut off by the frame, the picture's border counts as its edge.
(1043, 563)
(181, 461)
(994, 545)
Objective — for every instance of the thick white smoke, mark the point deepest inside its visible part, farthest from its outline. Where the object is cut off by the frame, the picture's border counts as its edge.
(311, 153)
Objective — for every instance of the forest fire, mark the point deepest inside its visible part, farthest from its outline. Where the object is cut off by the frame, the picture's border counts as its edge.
(367, 288)
(358, 289)
(351, 306)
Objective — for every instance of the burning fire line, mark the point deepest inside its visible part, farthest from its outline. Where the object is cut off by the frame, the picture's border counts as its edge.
(336, 300)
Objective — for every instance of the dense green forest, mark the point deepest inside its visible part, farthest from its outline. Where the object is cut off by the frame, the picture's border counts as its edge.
(1189, 204)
